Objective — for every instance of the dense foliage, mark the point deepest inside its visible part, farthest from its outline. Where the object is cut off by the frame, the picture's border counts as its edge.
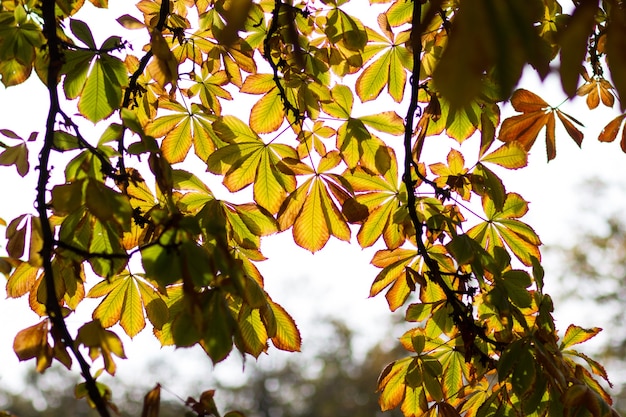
(154, 242)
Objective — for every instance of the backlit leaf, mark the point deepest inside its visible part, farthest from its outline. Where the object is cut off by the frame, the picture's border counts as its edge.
(575, 335)
(510, 155)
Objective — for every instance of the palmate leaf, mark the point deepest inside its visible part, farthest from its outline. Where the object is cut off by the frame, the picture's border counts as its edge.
(536, 114)
(311, 210)
(355, 142)
(209, 87)
(125, 299)
(383, 198)
(395, 274)
(182, 128)
(461, 123)
(247, 160)
(388, 69)
(502, 227)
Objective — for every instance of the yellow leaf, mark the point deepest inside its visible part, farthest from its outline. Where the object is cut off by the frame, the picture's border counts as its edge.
(32, 342)
(511, 155)
(268, 113)
(391, 384)
(22, 280)
(310, 230)
(575, 335)
(132, 319)
(287, 334)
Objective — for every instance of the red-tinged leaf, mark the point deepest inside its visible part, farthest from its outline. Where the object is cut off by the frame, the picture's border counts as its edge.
(574, 133)
(575, 335)
(595, 366)
(391, 384)
(525, 101)
(609, 133)
(268, 113)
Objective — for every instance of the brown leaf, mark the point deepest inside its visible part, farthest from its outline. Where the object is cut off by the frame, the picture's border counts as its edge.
(609, 133)
(524, 128)
(574, 133)
(526, 101)
(152, 402)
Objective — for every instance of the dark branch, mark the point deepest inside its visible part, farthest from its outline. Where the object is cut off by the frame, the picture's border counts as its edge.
(267, 54)
(462, 314)
(53, 308)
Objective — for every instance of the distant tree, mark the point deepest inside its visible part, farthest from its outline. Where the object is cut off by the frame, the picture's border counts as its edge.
(340, 385)
(597, 255)
(153, 241)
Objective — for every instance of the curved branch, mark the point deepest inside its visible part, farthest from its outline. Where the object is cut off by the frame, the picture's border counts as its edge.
(462, 314)
(267, 54)
(53, 308)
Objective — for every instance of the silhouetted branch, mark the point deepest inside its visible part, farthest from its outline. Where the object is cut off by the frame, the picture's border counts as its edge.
(53, 308)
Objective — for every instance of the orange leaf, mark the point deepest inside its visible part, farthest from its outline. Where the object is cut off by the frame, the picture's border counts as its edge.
(550, 139)
(524, 128)
(574, 133)
(609, 132)
(525, 101)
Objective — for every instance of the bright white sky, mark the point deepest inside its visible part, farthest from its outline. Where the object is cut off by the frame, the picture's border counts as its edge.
(336, 280)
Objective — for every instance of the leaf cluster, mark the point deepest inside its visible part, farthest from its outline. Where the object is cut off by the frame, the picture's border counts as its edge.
(154, 242)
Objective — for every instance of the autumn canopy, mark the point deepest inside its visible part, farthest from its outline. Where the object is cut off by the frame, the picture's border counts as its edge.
(162, 253)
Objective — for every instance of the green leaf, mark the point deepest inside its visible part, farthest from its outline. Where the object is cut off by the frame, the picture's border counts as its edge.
(217, 337)
(253, 333)
(101, 342)
(100, 95)
(82, 32)
(108, 205)
(16, 155)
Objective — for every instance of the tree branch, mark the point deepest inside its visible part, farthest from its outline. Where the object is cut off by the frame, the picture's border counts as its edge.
(267, 54)
(462, 314)
(53, 307)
